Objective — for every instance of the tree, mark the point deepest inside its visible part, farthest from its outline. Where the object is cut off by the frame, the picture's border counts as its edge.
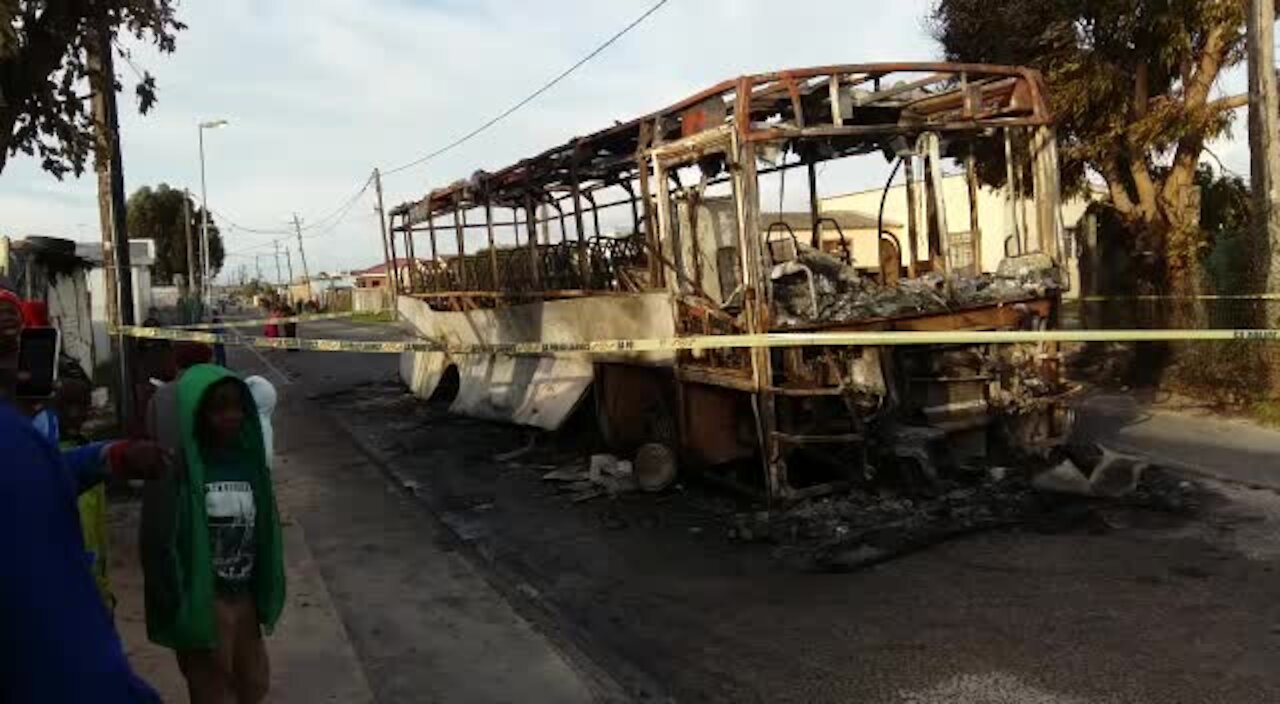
(157, 214)
(44, 71)
(1225, 211)
(1130, 87)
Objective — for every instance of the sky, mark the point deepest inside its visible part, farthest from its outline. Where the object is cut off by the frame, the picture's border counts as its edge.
(318, 93)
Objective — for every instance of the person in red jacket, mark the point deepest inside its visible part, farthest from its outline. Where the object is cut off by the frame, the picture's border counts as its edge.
(273, 327)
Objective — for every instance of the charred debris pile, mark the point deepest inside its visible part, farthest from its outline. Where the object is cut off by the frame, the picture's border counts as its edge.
(1090, 489)
(816, 287)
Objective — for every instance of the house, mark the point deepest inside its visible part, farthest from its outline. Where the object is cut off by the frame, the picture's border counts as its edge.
(376, 276)
(48, 269)
(142, 255)
(842, 230)
(1002, 222)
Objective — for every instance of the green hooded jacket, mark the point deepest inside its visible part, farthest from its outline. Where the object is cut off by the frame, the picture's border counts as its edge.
(176, 556)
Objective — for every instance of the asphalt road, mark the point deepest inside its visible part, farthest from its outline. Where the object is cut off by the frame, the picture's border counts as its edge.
(647, 593)
(1194, 439)
(316, 373)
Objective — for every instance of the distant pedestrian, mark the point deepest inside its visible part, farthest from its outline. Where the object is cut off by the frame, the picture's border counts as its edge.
(219, 349)
(212, 551)
(264, 397)
(272, 329)
(291, 327)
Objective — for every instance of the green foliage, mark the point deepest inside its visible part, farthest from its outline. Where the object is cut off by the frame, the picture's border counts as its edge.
(44, 67)
(1129, 85)
(158, 214)
(1266, 412)
(1224, 218)
(1229, 372)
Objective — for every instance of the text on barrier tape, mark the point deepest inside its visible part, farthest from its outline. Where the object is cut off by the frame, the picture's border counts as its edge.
(709, 342)
(1198, 297)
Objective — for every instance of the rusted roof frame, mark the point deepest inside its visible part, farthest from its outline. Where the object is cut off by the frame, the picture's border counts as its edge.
(793, 87)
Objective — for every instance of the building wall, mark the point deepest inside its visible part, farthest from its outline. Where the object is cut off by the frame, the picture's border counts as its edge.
(993, 219)
(66, 295)
(97, 286)
(69, 311)
(163, 297)
(370, 300)
(862, 242)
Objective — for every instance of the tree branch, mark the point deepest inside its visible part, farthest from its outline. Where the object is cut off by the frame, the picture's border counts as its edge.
(1196, 92)
(1231, 102)
(1142, 183)
(1120, 199)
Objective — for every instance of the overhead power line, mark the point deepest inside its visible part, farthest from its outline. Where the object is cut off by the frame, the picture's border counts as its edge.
(283, 231)
(231, 224)
(330, 221)
(338, 217)
(341, 209)
(530, 97)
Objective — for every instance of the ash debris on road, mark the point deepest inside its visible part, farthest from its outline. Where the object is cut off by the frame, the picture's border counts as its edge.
(855, 529)
(817, 287)
(861, 528)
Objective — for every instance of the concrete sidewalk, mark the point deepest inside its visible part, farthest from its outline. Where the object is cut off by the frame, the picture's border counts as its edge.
(425, 623)
(1196, 441)
(311, 657)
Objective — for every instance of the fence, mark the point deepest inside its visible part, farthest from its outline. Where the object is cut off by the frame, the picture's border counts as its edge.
(370, 300)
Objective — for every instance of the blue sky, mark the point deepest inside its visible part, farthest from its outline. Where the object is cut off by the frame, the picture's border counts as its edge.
(319, 92)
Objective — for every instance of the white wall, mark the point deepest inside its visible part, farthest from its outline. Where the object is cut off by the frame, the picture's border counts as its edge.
(370, 300)
(69, 311)
(165, 296)
(992, 214)
(142, 300)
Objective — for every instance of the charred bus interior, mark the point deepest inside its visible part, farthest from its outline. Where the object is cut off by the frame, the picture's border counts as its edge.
(695, 204)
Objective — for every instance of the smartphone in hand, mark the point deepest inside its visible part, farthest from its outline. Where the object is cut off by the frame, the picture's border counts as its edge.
(38, 353)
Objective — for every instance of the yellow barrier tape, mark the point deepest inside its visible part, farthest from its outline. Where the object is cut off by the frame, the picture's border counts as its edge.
(304, 318)
(1201, 297)
(711, 342)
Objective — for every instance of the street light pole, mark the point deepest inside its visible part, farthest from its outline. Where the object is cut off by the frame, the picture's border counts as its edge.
(205, 289)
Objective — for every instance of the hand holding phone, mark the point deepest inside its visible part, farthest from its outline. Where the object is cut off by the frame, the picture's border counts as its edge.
(38, 362)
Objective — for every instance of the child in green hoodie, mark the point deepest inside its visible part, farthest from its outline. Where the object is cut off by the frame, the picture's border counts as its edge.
(215, 582)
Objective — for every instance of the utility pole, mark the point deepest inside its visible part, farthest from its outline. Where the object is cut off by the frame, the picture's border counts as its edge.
(1264, 138)
(302, 254)
(278, 275)
(257, 265)
(386, 251)
(288, 289)
(111, 203)
(186, 224)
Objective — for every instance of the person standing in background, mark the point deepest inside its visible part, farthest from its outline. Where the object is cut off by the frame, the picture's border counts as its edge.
(72, 405)
(219, 349)
(291, 327)
(272, 330)
(264, 397)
